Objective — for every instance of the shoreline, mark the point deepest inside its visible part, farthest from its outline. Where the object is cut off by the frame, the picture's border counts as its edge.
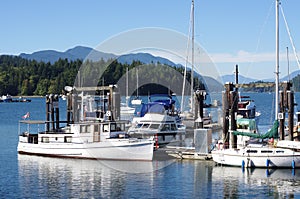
(25, 96)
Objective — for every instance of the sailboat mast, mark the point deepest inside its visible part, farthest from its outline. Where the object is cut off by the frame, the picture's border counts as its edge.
(192, 72)
(137, 82)
(288, 62)
(277, 60)
(127, 97)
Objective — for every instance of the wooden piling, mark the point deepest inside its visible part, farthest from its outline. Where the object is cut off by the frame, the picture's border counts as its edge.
(290, 97)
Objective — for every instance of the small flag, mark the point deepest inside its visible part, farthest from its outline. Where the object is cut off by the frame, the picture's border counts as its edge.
(27, 115)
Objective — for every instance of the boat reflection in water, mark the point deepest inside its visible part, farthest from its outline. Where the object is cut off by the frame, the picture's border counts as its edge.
(280, 183)
(81, 178)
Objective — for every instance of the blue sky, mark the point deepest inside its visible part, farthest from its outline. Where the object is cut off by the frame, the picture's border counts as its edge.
(231, 32)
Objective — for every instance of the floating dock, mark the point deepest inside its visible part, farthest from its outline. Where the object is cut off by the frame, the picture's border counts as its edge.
(186, 153)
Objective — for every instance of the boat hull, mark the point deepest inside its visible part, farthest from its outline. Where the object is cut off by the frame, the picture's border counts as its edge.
(257, 157)
(118, 149)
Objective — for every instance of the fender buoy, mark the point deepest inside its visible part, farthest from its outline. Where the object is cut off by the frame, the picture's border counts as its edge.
(293, 164)
(268, 163)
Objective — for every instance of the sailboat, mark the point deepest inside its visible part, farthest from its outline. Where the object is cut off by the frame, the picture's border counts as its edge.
(127, 112)
(190, 116)
(190, 113)
(280, 154)
(137, 101)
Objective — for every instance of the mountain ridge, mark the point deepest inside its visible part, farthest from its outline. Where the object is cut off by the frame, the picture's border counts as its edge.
(78, 52)
(246, 80)
(82, 52)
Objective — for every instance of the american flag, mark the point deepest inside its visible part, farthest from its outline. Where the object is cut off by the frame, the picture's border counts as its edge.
(27, 115)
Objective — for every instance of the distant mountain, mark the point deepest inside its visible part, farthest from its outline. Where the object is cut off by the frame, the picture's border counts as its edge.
(213, 85)
(81, 52)
(246, 80)
(291, 76)
(45, 56)
(145, 58)
(78, 52)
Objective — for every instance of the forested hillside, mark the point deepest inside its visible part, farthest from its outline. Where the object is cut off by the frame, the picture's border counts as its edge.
(19, 76)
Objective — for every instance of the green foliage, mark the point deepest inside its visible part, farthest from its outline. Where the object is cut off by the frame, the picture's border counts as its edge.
(20, 76)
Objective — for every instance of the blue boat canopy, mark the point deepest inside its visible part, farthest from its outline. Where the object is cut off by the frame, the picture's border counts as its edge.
(158, 104)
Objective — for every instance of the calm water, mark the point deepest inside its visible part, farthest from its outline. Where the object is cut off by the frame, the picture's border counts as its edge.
(24, 176)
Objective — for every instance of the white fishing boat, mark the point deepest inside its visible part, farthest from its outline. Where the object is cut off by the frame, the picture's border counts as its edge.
(89, 133)
(281, 153)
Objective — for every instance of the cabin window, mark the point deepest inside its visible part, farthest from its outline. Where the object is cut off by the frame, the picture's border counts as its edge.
(279, 151)
(139, 125)
(251, 151)
(154, 126)
(145, 126)
(173, 127)
(45, 139)
(88, 128)
(117, 127)
(96, 133)
(166, 127)
(68, 139)
(96, 128)
(33, 138)
(105, 128)
(120, 127)
(112, 127)
(266, 151)
(84, 129)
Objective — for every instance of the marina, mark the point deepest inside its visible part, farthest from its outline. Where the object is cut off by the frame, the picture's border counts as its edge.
(194, 178)
(197, 177)
(148, 113)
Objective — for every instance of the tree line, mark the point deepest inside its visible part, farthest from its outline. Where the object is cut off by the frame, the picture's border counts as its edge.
(19, 76)
(23, 77)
